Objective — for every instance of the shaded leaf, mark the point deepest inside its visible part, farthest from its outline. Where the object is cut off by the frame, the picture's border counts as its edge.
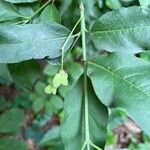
(73, 129)
(39, 88)
(51, 70)
(25, 73)
(50, 14)
(2, 104)
(12, 144)
(25, 9)
(113, 4)
(145, 55)
(38, 104)
(56, 102)
(65, 5)
(4, 72)
(52, 139)
(7, 12)
(11, 121)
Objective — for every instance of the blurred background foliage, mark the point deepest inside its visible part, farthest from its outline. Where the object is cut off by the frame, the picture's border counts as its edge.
(29, 118)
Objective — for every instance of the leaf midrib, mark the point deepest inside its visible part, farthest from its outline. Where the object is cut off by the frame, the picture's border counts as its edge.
(119, 30)
(42, 40)
(116, 75)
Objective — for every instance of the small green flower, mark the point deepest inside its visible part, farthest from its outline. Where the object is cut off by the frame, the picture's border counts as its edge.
(50, 89)
(60, 78)
(57, 80)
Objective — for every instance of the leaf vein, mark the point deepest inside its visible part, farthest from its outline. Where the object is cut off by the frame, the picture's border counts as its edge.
(119, 30)
(116, 75)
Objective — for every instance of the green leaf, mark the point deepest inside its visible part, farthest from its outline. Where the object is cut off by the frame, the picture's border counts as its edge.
(92, 10)
(49, 108)
(123, 81)
(5, 77)
(52, 139)
(38, 104)
(11, 120)
(123, 30)
(73, 127)
(7, 12)
(145, 55)
(89, 5)
(54, 105)
(143, 146)
(145, 3)
(51, 70)
(75, 70)
(116, 117)
(63, 90)
(2, 104)
(39, 88)
(57, 102)
(4, 72)
(50, 14)
(25, 74)
(113, 4)
(21, 1)
(12, 144)
(110, 138)
(65, 5)
(32, 41)
(25, 9)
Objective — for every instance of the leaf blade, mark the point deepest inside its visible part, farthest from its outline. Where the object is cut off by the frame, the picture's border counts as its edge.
(74, 118)
(7, 12)
(34, 41)
(126, 84)
(122, 30)
(12, 144)
(21, 1)
(11, 120)
(50, 14)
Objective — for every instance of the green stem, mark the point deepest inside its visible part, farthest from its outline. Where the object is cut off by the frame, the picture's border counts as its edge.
(83, 30)
(96, 147)
(78, 36)
(84, 146)
(68, 38)
(38, 11)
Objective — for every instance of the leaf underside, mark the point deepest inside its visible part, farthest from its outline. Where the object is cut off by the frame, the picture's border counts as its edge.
(32, 41)
(21, 1)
